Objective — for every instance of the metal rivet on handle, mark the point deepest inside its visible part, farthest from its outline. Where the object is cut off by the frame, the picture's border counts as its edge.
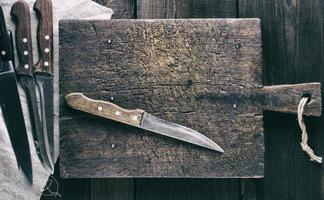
(134, 118)
(46, 63)
(117, 113)
(47, 50)
(25, 53)
(26, 66)
(47, 37)
(100, 108)
(3, 53)
(24, 40)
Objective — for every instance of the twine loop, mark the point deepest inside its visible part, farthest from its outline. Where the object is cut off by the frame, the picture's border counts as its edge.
(51, 183)
(304, 142)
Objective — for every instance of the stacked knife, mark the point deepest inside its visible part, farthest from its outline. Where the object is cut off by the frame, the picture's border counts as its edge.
(36, 81)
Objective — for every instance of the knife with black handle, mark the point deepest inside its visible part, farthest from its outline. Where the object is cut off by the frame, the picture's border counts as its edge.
(11, 105)
(44, 67)
(24, 70)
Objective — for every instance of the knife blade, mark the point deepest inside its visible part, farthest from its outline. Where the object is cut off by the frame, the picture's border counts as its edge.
(11, 105)
(44, 67)
(139, 118)
(24, 70)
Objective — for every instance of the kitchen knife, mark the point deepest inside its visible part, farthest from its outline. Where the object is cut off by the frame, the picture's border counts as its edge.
(44, 67)
(10, 103)
(139, 118)
(24, 70)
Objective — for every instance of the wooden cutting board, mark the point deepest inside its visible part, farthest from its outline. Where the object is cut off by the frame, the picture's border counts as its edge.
(205, 74)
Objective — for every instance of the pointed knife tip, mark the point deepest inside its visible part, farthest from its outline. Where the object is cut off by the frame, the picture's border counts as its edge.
(28, 175)
(218, 148)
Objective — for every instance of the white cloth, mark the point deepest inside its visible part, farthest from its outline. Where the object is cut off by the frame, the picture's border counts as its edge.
(12, 183)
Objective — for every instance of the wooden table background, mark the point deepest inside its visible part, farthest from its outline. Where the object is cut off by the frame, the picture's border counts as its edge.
(293, 52)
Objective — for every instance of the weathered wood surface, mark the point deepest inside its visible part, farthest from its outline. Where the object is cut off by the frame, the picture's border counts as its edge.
(171, 69)
(162, 9)
(205, 74)
(170, 188)
(123, 9)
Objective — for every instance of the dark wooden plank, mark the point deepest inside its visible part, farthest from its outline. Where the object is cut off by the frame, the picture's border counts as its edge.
(180, 70)
(189, 189)
(115, 189)
(293, 52)
(162, 9)
(85, 189)
(123, 9)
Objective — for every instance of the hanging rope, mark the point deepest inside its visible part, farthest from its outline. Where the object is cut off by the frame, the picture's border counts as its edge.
(302, 126)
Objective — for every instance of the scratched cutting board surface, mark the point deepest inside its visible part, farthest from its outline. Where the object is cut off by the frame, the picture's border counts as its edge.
(205, 74)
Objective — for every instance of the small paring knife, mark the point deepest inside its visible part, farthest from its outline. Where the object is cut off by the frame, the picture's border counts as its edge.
(139, 118)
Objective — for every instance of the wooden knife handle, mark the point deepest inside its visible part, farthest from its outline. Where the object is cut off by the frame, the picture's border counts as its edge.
(104, 109)
(21, 15)
(44, 12)
(6, 52)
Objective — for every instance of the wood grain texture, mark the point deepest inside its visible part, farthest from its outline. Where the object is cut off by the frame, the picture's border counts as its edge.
(285, 98)
(85, 189)
(171, 78)
(190, 189)
(162, 9)
(167, 187)
(123, 9)
(293, 52)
